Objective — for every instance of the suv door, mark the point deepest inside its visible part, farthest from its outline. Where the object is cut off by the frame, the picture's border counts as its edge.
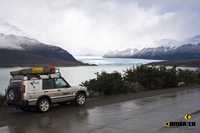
(66, 92)
(50, 89)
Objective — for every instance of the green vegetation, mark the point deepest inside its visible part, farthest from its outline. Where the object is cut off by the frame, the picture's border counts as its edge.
(106, 84)
(140, 79)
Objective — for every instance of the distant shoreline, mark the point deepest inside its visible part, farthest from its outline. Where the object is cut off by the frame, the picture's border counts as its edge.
(57, 65)
(178, 63)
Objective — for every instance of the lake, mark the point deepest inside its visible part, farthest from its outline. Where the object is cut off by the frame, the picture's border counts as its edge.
(78, 74)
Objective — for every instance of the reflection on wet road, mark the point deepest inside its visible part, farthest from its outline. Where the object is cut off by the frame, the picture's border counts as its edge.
(141, 116)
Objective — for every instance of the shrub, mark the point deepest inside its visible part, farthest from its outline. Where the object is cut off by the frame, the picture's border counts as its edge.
(106, 84)
(140, 79)
(152, 77)
(92, 87)
(133, 87)
(188, 77)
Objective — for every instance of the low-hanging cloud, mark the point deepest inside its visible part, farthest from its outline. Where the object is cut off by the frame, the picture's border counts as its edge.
(97, 26)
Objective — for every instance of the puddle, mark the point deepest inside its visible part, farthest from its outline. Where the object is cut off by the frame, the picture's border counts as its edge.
(4, 129)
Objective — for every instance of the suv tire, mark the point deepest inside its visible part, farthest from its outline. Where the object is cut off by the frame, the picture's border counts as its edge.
(80, 99)
(43, 104)
(10, 96)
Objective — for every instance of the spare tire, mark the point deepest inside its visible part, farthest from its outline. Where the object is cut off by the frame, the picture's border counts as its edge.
(11, 96)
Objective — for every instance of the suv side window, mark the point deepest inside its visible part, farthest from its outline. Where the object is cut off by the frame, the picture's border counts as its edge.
(48, 84)
(60, 83)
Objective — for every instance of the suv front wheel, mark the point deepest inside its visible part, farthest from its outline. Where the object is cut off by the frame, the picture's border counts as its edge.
(43, 105)
(80, 99)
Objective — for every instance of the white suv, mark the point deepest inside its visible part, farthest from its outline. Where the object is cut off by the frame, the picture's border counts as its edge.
(42, 90)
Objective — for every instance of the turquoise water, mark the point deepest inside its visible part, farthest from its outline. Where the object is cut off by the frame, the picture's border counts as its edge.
(98, 60)
(76, 75)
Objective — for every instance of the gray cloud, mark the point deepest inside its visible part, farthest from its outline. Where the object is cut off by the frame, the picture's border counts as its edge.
(8, 28)
(97, 26)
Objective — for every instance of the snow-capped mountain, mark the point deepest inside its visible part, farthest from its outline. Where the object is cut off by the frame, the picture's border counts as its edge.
(167, 43)
(11, 41)
(193, 40)
(9, 28)
(167, 50)
(24, 51)
(175, 44)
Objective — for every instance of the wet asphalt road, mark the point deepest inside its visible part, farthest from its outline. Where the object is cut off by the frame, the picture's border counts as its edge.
(142, 115)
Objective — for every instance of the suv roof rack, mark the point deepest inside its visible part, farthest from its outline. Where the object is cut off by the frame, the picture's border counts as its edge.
(31, 73)
(36, 71)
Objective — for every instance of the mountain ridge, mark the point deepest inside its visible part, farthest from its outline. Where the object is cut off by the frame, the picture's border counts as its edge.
(23, 51)
(188, 49)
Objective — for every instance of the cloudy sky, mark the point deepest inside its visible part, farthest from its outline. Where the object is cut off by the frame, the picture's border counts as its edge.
(98, 26)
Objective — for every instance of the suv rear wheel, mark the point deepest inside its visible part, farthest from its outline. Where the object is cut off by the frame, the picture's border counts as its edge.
(80, 99)
(43, 105)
